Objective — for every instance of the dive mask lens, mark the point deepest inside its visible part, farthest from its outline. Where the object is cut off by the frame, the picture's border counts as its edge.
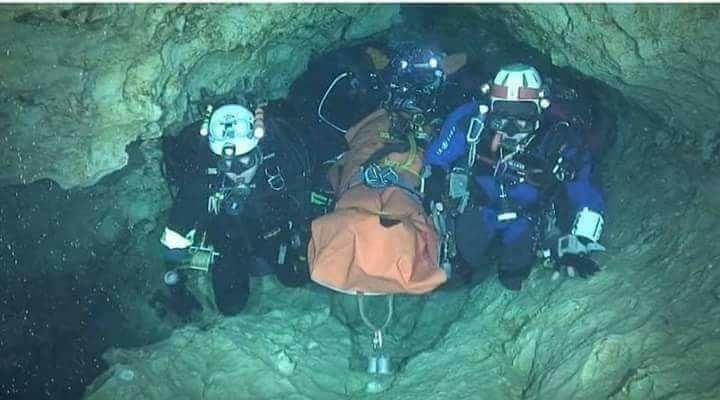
(498, 123)
(512, 125)
(512, 142)
(523, 125)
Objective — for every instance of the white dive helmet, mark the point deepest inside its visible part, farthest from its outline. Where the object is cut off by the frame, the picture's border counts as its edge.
(232, 126)
(518, 82)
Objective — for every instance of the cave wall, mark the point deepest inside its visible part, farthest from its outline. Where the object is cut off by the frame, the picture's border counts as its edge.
(78, 83)
(663, 57)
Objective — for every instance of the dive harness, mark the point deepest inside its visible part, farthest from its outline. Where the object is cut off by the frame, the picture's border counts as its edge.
(460, 176)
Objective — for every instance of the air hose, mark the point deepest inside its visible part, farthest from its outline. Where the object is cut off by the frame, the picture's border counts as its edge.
(322, 102)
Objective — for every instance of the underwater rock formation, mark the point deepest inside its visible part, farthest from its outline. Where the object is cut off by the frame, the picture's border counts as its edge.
(664, 57)
(80, 83)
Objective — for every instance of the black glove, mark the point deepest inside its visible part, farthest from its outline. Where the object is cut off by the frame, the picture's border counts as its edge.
(435, 186)
(295, 271)
(578, 263)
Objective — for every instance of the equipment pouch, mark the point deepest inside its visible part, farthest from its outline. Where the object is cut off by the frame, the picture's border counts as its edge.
(458, 183)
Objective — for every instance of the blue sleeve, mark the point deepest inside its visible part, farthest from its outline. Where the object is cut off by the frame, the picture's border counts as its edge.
(581, 191)
(449, 145)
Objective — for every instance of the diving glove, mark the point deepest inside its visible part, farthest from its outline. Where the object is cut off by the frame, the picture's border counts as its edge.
(576, 264)
(572, 256)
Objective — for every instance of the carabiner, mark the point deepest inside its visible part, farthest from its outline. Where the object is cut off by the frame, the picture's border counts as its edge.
(276, 180)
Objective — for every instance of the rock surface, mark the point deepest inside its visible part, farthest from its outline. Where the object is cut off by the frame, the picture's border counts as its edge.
(79, 83)
(664, 57)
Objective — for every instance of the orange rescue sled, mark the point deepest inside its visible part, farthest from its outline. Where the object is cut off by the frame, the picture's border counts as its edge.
(376, 241)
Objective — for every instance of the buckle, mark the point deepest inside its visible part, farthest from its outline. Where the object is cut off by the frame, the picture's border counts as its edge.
(377, 177)
(275, 180)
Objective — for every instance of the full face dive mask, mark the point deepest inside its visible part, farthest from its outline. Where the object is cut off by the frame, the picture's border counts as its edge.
(416, 82)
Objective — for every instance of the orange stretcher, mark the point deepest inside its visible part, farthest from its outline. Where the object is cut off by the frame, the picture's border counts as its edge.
(377, 240)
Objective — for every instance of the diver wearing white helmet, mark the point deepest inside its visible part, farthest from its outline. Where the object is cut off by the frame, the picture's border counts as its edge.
(513, 169)
(237, 208)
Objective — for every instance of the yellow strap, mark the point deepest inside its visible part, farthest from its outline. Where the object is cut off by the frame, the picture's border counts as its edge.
(409, 161)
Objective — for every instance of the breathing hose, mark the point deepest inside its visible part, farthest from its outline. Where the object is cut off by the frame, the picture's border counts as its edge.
(322, 102)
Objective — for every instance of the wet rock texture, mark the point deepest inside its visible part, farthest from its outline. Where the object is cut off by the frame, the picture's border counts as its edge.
(664, 57)
(290, 343)
(263, 354)
(78, 83)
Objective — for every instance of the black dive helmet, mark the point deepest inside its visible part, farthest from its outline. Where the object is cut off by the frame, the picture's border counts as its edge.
(416, 80)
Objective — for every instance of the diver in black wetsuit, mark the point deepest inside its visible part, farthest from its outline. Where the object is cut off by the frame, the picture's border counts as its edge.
(242, 198)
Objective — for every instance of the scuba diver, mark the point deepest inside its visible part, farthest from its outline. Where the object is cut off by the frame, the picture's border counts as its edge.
(241, 206)
(378, 240)
(409, 85)
(498, 173)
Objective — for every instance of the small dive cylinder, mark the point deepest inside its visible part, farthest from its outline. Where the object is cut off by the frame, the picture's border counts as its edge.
(205, 128)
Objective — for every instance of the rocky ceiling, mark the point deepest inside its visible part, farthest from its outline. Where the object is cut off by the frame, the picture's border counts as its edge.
(663, 57)
(78, 84)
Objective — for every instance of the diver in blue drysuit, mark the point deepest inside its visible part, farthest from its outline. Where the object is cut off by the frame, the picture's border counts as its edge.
(518, 167)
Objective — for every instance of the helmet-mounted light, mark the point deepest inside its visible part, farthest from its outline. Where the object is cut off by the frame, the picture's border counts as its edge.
(259, 119)
(205, 127)
(485, 88)
(433, 62)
